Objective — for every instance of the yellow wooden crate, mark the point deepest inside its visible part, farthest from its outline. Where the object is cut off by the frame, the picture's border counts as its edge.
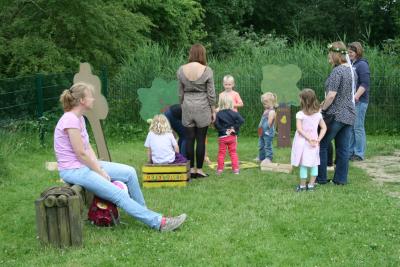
(152, 177)
(164, 184)
(166, 168)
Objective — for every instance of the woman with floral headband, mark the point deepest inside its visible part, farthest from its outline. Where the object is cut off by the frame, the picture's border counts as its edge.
(339, 113)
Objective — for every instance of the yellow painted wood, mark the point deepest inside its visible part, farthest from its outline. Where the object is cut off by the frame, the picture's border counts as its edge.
(165, 168)
(164, 184)
(166, 176)
(277, 167)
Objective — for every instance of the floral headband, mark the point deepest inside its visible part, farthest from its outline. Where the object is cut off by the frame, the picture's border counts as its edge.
(337, 49)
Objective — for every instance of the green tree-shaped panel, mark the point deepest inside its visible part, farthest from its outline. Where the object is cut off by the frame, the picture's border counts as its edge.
(156, 99)
(283, 82)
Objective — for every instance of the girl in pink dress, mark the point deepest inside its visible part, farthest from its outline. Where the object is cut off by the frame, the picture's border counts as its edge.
(305, 148)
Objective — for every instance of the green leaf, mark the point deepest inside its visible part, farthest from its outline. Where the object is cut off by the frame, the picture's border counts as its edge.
(283, 82)
(156, 99)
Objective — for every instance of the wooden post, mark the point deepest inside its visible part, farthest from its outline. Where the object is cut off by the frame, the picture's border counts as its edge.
(63, 226)
(75, 220)
(41, 221)
(52, 226)
(283, 121)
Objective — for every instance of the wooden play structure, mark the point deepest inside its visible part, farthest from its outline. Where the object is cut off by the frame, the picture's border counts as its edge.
(277, 167)
(165, 175)
(59, 213)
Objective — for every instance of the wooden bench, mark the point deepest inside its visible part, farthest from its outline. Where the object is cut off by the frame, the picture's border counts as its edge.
(59, 217)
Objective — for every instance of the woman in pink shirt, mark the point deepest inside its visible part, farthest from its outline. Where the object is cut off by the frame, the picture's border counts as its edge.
(78, 164)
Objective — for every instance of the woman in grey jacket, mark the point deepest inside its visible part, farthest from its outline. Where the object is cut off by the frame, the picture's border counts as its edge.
(197, 98)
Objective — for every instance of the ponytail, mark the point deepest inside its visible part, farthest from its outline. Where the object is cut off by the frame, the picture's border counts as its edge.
(71, 97)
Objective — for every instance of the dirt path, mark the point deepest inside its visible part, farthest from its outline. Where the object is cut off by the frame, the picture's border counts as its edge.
(383, 169)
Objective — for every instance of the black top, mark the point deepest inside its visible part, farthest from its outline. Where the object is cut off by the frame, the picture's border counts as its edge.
(226, 119)
(176, 111)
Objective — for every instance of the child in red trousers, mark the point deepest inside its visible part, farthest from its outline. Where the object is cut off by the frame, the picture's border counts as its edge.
(227, 123)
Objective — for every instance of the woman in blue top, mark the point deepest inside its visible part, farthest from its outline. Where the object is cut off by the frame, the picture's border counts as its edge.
(358, 139)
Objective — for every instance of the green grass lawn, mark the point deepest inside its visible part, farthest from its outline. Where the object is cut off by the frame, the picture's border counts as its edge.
(254, 219)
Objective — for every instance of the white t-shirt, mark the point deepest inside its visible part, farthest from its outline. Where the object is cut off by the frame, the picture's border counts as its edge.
(162, 147)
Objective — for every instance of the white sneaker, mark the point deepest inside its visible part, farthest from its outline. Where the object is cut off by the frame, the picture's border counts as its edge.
(172, 223)
(266, 161)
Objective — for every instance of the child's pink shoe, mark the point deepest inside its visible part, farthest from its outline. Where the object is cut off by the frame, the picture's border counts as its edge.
(219, 172)
(236, 172)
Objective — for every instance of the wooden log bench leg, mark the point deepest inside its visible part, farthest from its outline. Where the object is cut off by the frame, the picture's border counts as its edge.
(59, 218)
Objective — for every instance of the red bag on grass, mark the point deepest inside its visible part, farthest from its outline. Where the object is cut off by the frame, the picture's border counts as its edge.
(103, 213)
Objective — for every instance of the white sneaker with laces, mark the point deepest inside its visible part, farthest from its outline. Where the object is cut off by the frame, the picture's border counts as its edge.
(172, 223)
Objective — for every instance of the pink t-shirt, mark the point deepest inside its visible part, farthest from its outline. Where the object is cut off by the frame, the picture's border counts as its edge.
(66, 157)
(235, 97)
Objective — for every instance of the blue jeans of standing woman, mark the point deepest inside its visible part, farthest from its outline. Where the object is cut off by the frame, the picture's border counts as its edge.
(132, 201)
(341, 133)
(358, 140)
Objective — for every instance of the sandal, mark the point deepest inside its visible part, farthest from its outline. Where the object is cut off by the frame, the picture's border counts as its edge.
(201, 175)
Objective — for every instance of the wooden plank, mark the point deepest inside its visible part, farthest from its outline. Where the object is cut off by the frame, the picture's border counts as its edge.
(165, 168)
(164, 184)
(51, 166)
(152, 177)
(75, 220)
(52, 226)
(277, 167)
(63, 226)
(41, 221)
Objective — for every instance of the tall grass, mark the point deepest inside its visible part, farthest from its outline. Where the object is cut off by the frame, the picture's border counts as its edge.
(151, 61)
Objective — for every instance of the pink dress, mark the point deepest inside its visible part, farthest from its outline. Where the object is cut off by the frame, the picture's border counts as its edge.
(303, 154)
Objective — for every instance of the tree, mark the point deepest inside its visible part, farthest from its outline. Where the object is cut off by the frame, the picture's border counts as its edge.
(52, 36)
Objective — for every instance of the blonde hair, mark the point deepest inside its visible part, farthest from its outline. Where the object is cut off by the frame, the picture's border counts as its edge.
(71, 97)
(228, 78)
(225, 102)
(308, 101)
(160, 125)
(269, 100)
(337, 52)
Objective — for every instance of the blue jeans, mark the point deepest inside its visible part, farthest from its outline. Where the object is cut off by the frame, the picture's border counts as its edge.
(177, 126)
(132, 201)
(265, 147)
(358, 140)
(341, 133)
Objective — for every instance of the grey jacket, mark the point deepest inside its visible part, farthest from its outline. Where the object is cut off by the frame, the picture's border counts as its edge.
(196, 97)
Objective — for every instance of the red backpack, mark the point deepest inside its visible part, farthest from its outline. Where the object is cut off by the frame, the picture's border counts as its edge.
(103, 213)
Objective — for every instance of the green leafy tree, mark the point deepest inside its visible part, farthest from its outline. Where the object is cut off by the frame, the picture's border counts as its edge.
(177, 23)
(156, 99)
(51, 35)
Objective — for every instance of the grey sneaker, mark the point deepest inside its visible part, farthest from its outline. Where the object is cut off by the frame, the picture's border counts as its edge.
(172, 223)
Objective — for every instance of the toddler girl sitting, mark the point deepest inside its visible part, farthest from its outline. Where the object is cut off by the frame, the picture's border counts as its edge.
(162, 147)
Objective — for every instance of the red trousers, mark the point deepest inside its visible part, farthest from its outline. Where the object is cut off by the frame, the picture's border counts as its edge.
(230, 142)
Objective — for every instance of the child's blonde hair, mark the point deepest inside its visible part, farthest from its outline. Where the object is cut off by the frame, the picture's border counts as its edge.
(160, 125)
(228, 78)
(269, 100)
(225, 102)
(308, 101)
